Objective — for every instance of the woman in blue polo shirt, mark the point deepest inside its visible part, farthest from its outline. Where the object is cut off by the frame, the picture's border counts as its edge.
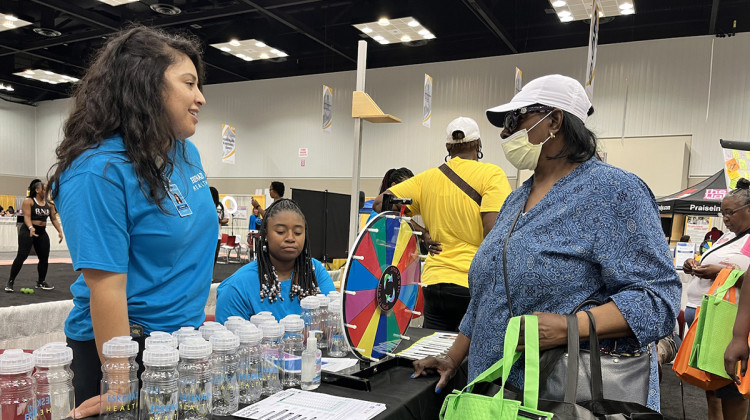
(282, 273)
(145, 256)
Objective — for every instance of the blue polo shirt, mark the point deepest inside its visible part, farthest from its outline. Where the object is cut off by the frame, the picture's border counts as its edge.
(239, 294)
(111, 226)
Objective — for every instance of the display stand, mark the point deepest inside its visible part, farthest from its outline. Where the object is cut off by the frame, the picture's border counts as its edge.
(363, 108)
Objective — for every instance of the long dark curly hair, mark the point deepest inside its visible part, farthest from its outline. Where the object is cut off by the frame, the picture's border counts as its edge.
(304, 282)
(122, 93)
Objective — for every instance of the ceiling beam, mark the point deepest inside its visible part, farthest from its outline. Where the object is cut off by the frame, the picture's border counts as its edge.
(297, 26)
(79, 13)
(484, 16)
(714, 13)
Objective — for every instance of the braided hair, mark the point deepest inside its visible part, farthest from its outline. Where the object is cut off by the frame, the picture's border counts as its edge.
(394, 175)
(742, 191)
(303, 275)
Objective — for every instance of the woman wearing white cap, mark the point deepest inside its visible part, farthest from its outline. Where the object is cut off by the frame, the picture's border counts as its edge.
(578, 231)
(458, 202)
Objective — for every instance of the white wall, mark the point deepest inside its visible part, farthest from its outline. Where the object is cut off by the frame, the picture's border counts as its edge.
(668, 91)
(17, 139)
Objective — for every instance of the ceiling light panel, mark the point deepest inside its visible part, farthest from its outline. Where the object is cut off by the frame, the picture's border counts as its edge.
(395, 30)
(118, 2)
(570, 10)
(46, 76)
(8, 22)
(250, 49)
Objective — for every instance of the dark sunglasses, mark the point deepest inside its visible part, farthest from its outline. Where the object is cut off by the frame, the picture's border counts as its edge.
(512, 118)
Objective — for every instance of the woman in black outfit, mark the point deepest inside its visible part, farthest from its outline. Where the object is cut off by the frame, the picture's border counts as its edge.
(36, 210)
(223, 221)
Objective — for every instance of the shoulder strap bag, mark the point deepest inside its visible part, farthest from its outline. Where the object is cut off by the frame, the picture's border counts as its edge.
(460, 183)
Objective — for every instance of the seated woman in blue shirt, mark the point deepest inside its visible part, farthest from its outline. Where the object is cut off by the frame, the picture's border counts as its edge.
(282, 274)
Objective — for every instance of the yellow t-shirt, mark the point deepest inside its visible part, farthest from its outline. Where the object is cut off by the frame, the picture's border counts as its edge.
(453, 218)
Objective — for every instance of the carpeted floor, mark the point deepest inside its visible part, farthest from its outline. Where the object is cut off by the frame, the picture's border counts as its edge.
(61, 276)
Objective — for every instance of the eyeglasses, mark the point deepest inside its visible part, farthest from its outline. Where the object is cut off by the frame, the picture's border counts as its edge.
(512, 117)
(729, 213)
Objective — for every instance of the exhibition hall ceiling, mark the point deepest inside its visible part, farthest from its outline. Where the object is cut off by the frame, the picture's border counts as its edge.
(298, 37)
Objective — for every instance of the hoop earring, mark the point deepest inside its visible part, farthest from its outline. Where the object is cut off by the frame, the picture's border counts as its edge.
(448, 156)
(480, 155)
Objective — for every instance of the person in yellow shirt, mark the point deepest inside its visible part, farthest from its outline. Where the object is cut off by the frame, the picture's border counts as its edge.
(458, 202)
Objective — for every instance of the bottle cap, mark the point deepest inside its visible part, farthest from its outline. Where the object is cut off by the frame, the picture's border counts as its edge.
(257, 318)
(312, 342)
(160, 355)
(210, 328)
(233, 323)
(249, 334)
(223, 340)
(272, 330)
(195, 348)
(334, 306)
(53, 354)
(293, 324)
(310, 302)
(265, 313)
(15, 361)
(322, 299)
(123, 346)
(186, 332)
(161, 337)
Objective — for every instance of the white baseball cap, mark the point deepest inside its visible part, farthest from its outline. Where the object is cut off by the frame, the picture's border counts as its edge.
(467, 126)
(554, 90)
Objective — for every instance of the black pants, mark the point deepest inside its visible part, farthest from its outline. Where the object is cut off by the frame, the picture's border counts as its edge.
(87, 369)
(445, 305)
(41, 246)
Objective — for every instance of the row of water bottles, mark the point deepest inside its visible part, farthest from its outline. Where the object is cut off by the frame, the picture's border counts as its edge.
(36, 386)
(322, 316)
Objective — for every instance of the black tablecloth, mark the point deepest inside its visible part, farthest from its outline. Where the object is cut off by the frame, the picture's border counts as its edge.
(405, 398)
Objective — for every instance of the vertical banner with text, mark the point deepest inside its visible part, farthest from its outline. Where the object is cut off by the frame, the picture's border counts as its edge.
(228, 143)
(327, 109)
(427, 107)
(593, 41)
(518, 81)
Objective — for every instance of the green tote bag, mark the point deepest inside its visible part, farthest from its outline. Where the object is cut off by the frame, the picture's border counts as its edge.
(714, 330)
(463, 404)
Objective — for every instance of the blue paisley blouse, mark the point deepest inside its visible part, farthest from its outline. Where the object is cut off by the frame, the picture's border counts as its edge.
(595, 235)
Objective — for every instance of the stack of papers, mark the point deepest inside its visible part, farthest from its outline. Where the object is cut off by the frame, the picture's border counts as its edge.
(433, 345)
(336, 364)
(305, 405)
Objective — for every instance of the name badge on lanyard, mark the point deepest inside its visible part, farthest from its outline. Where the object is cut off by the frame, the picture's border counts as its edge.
(183, 209)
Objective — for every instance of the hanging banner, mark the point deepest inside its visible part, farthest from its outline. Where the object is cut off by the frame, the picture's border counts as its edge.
(327, 109)
(518, 80)
(593, 41)
(427, 107)
(228, 138)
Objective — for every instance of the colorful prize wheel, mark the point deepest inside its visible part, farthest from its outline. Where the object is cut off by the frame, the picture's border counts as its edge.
(381, 284)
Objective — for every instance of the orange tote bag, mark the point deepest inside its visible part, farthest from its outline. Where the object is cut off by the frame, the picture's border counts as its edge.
(693, 376)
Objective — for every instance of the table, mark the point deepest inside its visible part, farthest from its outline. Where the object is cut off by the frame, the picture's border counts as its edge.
(9, 236)
(405, 398)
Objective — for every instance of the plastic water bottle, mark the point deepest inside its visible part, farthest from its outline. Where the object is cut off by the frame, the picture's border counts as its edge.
(323, 314)
(310, 315)
(160, 392)
(185, 332)
(209, 328)
(54, 381)
(249, 376)
(311, 364)
(272, 347)
(163, 338)
(119, 379)
(336, 341)
(17, 398)
(224, 363)
(196, 380)
(233, 323)
(293, 346)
